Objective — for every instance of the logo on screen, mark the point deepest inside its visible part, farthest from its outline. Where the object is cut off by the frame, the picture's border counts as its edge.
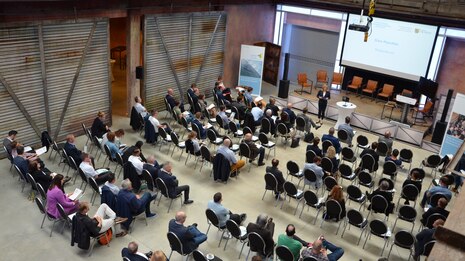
(417, 30)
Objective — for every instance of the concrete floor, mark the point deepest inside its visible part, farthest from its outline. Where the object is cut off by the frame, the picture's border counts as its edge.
(22, 236)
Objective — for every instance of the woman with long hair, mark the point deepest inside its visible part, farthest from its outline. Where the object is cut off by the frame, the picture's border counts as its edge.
(56, 194)
(331, 154)
(192, 137)
(98, 127)
(337, 194)
(41, 177)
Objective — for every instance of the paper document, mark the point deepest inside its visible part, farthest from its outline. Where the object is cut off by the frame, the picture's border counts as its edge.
(100, 171)
(28, 148)
(274, 117)
(77, 194)
(231, 117)
(208, 126)
(41, 151)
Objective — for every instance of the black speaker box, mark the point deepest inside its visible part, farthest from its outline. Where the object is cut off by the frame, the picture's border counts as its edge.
(283, 89)
(439, 131)
(139, 72)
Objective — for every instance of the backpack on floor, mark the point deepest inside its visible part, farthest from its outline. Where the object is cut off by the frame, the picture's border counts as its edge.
(103, 240)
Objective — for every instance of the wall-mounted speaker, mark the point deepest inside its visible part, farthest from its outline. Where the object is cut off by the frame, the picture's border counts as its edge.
(139, 72)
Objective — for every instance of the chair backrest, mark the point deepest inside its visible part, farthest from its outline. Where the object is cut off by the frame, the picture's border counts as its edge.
(388, 89)
(232, 126)
(408, 212)
(310, 198)
(330, 182)
(404, 239)
(327, 164)
(321, 76)
(82, 175)
(212, 218)
(282, 129)
(284, 253)
(342, 135)
(205, 152)
(362, 140)
(300, 123)
(175, 243)
(355, 217)
(354, 192)
(410, 191)
(371, 85)
(233, 228)
(365, 178)
(20, 173)
(107, 150)
(326, 144)
(236, 113)
(196, 129)
(433, 160)
(302, 78)
(40, 205)
(211, 135)
(345, 170)
(247, 130)
(357, 81)
(174, 138)
(406, 154)
(41, 191)
(309, 156)
(94, 185)
(333, 208)
(292, 167)
(162, 187)
(382, 148)
(63, 214)
(263, 138)
(266, 126)
(310, 175)
(31, 181)
(379, 203)
(368, 162)
(407, 93)
(290, 188)
(428, 247)
(427, 107)
(219, 121)
(431, 219)
(148, 179)
(162, 133)
(119, 159)
(244, 150)
(389, 168)
(271, 182)
(433, 200)
(198, 256)
(256, 242)
(378, 227)
(337, 78)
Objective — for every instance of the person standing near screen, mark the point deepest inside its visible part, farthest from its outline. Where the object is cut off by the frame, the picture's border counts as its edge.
(323, 96)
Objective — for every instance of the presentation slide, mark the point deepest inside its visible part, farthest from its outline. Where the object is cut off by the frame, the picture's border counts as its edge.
(396, 48)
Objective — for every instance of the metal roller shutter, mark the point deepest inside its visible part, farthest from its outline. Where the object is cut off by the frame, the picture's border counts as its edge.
(38, 65)
(179, 50)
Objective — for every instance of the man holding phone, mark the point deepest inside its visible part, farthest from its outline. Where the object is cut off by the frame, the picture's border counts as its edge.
(319, 250)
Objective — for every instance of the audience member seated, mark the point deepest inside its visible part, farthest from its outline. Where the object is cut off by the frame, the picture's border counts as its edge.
(100, 175)
(133, 254)
(222, 212)
(189, 236)
(268, 115)
(86, 227)
(22, 161)
(290, 127)
(254, 149)
(372, 152)
(220, 94)
(387, 139)
(111, 184)
(41, 177)
(272, 106)
(337, 194)
(393, 158)
(309, 123)
(192, 138)
(425, 236)
(201, 127)
(128, 152)
(152, 166)
(273, 169)
(98, 127)
(248, 99)
(173, 184)
(319, 250)
(292, 241)
(383, 190)
(171, 100)
(264, 226)
(257, 113)
(241, 108)
(331, 154)
(290, 113)
(350, 131)
(156, 124)
(315, 167)
(8, 140)
(130, 204)
(439, 209)
(71, 150)
(136, 161)
(187, 115)
(114, 149)
(56, 194)
(230, 156)
(414, 179)
(441, 188)
(334, 140)
(224, 117)
(314, 147)
(139, 107)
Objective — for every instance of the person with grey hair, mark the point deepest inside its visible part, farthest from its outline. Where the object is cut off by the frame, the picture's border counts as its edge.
(348, 129)
(189, 236)
(383, 190)
(308, 121)
(319, 250)
(152, 166)
(173, 184)
(269, 116)
(133, 254)
(264, 226)
(139, 107)
(387, 139)
(254, 150)
(129, 204)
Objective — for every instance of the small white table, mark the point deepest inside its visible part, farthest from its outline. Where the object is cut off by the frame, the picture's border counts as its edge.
(345, 109)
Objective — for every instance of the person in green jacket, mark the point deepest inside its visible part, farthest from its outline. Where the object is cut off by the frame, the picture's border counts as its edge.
(291, 241)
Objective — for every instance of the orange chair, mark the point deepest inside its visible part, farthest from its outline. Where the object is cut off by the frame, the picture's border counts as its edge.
(425, 111)
(370, 88)
(355, 84)
(337, 79)
(386, 92)
(321, 77)
(304, 82)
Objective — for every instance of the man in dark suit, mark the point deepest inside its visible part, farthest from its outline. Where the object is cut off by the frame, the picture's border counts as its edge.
(132, 253)
(372, 152)
(439, 209)
(241, 108)
(152, 167)
(128, 152)
(172, 183)
(190, 236)
(273, 169)
(268, 116)
(71, 150)
(254, 150)
(424, 237)
(291, 114)
(334, 140)
(265, 228)
(272, 106)
(314, 147)
(8, 140)
(172, 101)
(21, 161)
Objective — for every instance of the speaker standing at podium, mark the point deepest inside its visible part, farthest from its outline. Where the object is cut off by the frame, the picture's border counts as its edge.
(323, 96)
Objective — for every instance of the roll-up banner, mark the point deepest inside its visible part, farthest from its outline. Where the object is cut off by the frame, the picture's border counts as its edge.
(251, 67)
(455, 134)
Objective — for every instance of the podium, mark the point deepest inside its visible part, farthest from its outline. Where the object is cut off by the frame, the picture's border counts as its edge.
(407, 101)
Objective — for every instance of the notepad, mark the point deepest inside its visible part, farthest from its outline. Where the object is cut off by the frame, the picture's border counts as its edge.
(28, 148)
(100, 171)
(77, 194)
(41, 151)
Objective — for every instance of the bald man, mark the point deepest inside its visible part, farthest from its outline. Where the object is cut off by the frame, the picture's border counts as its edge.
(172, 101)
(334, 140)
(291, 114)
(230, 156)
(189, 236)
(320, 249)
(254, 150)
(387, 139)
(132, 252)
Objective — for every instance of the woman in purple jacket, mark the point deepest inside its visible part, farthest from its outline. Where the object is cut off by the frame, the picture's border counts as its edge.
(55, 194)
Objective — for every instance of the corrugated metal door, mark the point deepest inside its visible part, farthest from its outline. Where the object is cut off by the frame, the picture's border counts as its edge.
(180, 50)
(53, 76)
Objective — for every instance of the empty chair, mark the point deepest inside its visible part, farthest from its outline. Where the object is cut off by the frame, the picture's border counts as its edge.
(390, 169)
(370, 88)
(236, 231)
(346, 173)
(386, 92)
(284, 253)
(337, 79)
(304, 83)
(291, 191)
(311, 200)
(406, 213)
(321, 77)
(366, 180)
(403, 239)
(267, 144)
(362, 142)
(355, 84)
(425, 112)
(433, 162)
(379, 229)
(211, 135)
(355, 194)
(406, 156)
(356, 219)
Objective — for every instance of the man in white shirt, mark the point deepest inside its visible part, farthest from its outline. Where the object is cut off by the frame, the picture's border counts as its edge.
(139, 107)
(156, 124)
(136, 161)
(257, 113)
(100, 175)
